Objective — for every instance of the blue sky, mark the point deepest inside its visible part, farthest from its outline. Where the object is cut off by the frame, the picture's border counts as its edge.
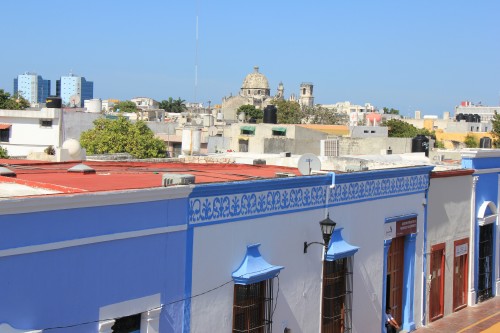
(411, 55)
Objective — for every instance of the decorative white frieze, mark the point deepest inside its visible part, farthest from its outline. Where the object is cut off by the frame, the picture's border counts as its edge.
(240, 205)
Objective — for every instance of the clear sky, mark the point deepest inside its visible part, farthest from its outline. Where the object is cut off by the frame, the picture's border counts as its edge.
(423, 55)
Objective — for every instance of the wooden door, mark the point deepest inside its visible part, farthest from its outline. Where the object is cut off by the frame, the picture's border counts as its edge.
(436, 293)
(460, 273)
(485, 263)
(394, 278)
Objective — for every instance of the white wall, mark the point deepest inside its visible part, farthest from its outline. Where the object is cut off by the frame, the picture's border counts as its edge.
(220, 248)
(26, 134)
(449, 212)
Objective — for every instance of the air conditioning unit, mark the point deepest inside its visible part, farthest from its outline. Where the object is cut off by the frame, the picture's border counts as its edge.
(170, 179)
(329, 147)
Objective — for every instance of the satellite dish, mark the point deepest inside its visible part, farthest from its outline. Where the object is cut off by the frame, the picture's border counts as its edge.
(74, 100)
(308, 163)
(212, 131)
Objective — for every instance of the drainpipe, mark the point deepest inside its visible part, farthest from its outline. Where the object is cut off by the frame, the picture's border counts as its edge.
(424, 257)
(472, 244)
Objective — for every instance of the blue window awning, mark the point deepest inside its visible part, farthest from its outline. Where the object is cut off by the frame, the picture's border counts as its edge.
(254, 268)
(339, 248)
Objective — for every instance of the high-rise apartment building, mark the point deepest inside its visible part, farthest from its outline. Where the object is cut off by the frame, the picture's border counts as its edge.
(74, 89)
(32, 87)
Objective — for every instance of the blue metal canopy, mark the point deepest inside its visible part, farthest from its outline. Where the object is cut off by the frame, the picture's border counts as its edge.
(254, 268)
(339, 248)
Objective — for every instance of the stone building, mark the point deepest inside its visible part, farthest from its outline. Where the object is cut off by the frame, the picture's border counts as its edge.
(255, 91)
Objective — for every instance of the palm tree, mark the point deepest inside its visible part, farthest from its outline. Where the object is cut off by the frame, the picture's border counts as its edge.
(171, 105)
(167, 105)
(179, 105)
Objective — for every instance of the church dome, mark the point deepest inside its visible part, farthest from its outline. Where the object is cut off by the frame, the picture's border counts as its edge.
(255, 80)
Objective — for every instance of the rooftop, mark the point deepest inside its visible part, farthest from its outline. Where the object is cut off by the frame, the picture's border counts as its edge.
(42, 178)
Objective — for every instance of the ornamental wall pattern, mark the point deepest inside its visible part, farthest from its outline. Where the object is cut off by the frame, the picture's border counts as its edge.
(253, 204)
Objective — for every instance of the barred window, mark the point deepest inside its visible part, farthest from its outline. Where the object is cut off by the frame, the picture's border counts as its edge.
(337, 296)
(253, 306)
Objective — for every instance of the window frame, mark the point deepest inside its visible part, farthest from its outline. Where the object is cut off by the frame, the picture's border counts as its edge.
(242, 308)
(5, 135)
(340, 322)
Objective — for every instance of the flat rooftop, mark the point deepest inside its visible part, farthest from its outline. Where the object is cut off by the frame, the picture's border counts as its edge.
(41, 178)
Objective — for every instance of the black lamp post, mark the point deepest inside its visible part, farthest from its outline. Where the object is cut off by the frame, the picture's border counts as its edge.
(327, 227)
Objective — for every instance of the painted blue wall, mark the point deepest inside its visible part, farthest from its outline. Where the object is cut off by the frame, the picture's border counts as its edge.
(486, 190)
(68, 286)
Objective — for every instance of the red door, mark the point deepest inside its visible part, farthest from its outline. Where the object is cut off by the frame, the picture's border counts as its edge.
(460, 274)
(394, 278)
(436, 298)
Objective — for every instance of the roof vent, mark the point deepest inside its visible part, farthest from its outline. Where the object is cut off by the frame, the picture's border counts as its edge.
(170, 179)
(284, 174)
(7, 172)
(81, 168)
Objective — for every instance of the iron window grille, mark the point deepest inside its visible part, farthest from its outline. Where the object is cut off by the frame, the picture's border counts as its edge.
(129, 324)
(336, 315)
(4, 135)
(253, 307)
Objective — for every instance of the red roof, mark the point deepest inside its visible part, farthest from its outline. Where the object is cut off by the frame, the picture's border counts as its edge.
(120, 175)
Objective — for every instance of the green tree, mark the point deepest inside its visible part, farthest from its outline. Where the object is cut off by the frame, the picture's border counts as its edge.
(179, 105)
(495, 131)
(126, 106)
(173, 105)
(15, 102)
(390, 111)
(122, 136)
(3, 153)
(321, 115)
(471, 141)
(401, 129)
(288, 112)
(438, 144)
(167, 105)
(250, 112)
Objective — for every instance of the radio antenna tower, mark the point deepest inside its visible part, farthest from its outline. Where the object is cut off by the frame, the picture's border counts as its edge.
(196, 56)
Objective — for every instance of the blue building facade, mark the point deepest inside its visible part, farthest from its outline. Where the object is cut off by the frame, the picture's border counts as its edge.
(486, 276)
(79, 264)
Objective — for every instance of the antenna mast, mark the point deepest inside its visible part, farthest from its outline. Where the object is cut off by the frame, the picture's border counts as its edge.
(196, 58)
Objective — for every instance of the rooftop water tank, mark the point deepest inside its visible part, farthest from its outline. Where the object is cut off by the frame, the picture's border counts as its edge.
(53, 102)
(270, 115)
(485, 142)
(191, 140)
(420, 144)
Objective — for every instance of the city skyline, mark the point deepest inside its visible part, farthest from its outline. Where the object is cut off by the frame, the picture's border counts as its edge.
(410, 56)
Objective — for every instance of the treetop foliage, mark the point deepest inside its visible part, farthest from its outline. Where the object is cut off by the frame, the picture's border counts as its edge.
(15, 102)
(288, 112)
(250, 112)
(175, 106)
(3, 153)
(401, 129)
(495, 131)
(324, 116)
(126, 106)
(120, 135)
(390, 111)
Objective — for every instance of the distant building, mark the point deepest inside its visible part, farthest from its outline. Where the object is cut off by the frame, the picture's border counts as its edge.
(255, 91)
(466, 108)
(32, 87)
(145, 103)
(74, 90)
